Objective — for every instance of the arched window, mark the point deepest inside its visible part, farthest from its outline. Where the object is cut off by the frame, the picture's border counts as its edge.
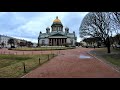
(43, 42)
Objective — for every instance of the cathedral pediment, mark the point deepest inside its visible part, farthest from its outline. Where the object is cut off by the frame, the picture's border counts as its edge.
(57, 34)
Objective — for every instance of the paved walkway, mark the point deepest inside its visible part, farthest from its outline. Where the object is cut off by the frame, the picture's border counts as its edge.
(68, 64)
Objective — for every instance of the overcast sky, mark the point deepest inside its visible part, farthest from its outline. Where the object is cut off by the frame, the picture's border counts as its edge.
(27, 25)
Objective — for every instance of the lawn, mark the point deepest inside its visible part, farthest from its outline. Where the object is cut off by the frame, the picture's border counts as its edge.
(113, 57)
(11, 66)
(42, 48)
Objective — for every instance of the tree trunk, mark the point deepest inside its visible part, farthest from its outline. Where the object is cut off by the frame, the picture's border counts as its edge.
(108, 48)
(11, 45)
(108, 45)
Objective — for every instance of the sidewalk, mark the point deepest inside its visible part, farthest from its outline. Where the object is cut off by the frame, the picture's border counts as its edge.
(68, 64)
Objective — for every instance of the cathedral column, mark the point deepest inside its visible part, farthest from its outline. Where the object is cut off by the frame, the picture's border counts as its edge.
(51, 42)
(61, 42)
(64, 40)
(56, 41)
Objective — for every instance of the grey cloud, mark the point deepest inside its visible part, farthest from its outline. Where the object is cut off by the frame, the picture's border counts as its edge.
(10, 22)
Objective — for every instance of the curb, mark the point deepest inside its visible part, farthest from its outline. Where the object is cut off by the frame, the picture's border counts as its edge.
(103, 62)
(24, 75)
(30, 71)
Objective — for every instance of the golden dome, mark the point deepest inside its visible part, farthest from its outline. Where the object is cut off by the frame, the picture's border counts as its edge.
(57, 20)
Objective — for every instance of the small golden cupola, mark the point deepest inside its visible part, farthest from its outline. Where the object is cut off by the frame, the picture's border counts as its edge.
(57, 25)
(57, 20)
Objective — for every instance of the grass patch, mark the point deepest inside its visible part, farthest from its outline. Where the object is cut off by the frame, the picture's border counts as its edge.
(6, 60)
(11, 66)
(14, 57)
(42, 48)
(113, 57)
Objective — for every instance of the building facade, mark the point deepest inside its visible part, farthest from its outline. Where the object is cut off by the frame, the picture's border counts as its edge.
(57, 37)
(4, 41)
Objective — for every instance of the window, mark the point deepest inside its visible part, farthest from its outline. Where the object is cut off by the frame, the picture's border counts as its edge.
(71, 41)
(54, 28)
(43, 42)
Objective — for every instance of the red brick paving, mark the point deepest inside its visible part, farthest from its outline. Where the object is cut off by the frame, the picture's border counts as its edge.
(68, 65)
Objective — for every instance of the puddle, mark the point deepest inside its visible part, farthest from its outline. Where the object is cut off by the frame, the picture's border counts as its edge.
(85, 57)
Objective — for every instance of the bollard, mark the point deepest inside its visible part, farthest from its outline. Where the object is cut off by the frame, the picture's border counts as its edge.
(48, 57)
(39, 61)
(51, 50)
(24, 67)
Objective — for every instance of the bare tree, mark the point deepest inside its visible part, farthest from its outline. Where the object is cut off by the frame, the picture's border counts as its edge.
(115, 25)
(116, 17)
(11, 41)
(96, 24)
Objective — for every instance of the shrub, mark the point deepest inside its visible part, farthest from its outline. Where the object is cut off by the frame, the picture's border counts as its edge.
(9, 48)
(12, 46)
(66, 45)
(73, 46)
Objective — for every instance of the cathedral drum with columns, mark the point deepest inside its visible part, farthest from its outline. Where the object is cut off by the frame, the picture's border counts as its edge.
(57, 37)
